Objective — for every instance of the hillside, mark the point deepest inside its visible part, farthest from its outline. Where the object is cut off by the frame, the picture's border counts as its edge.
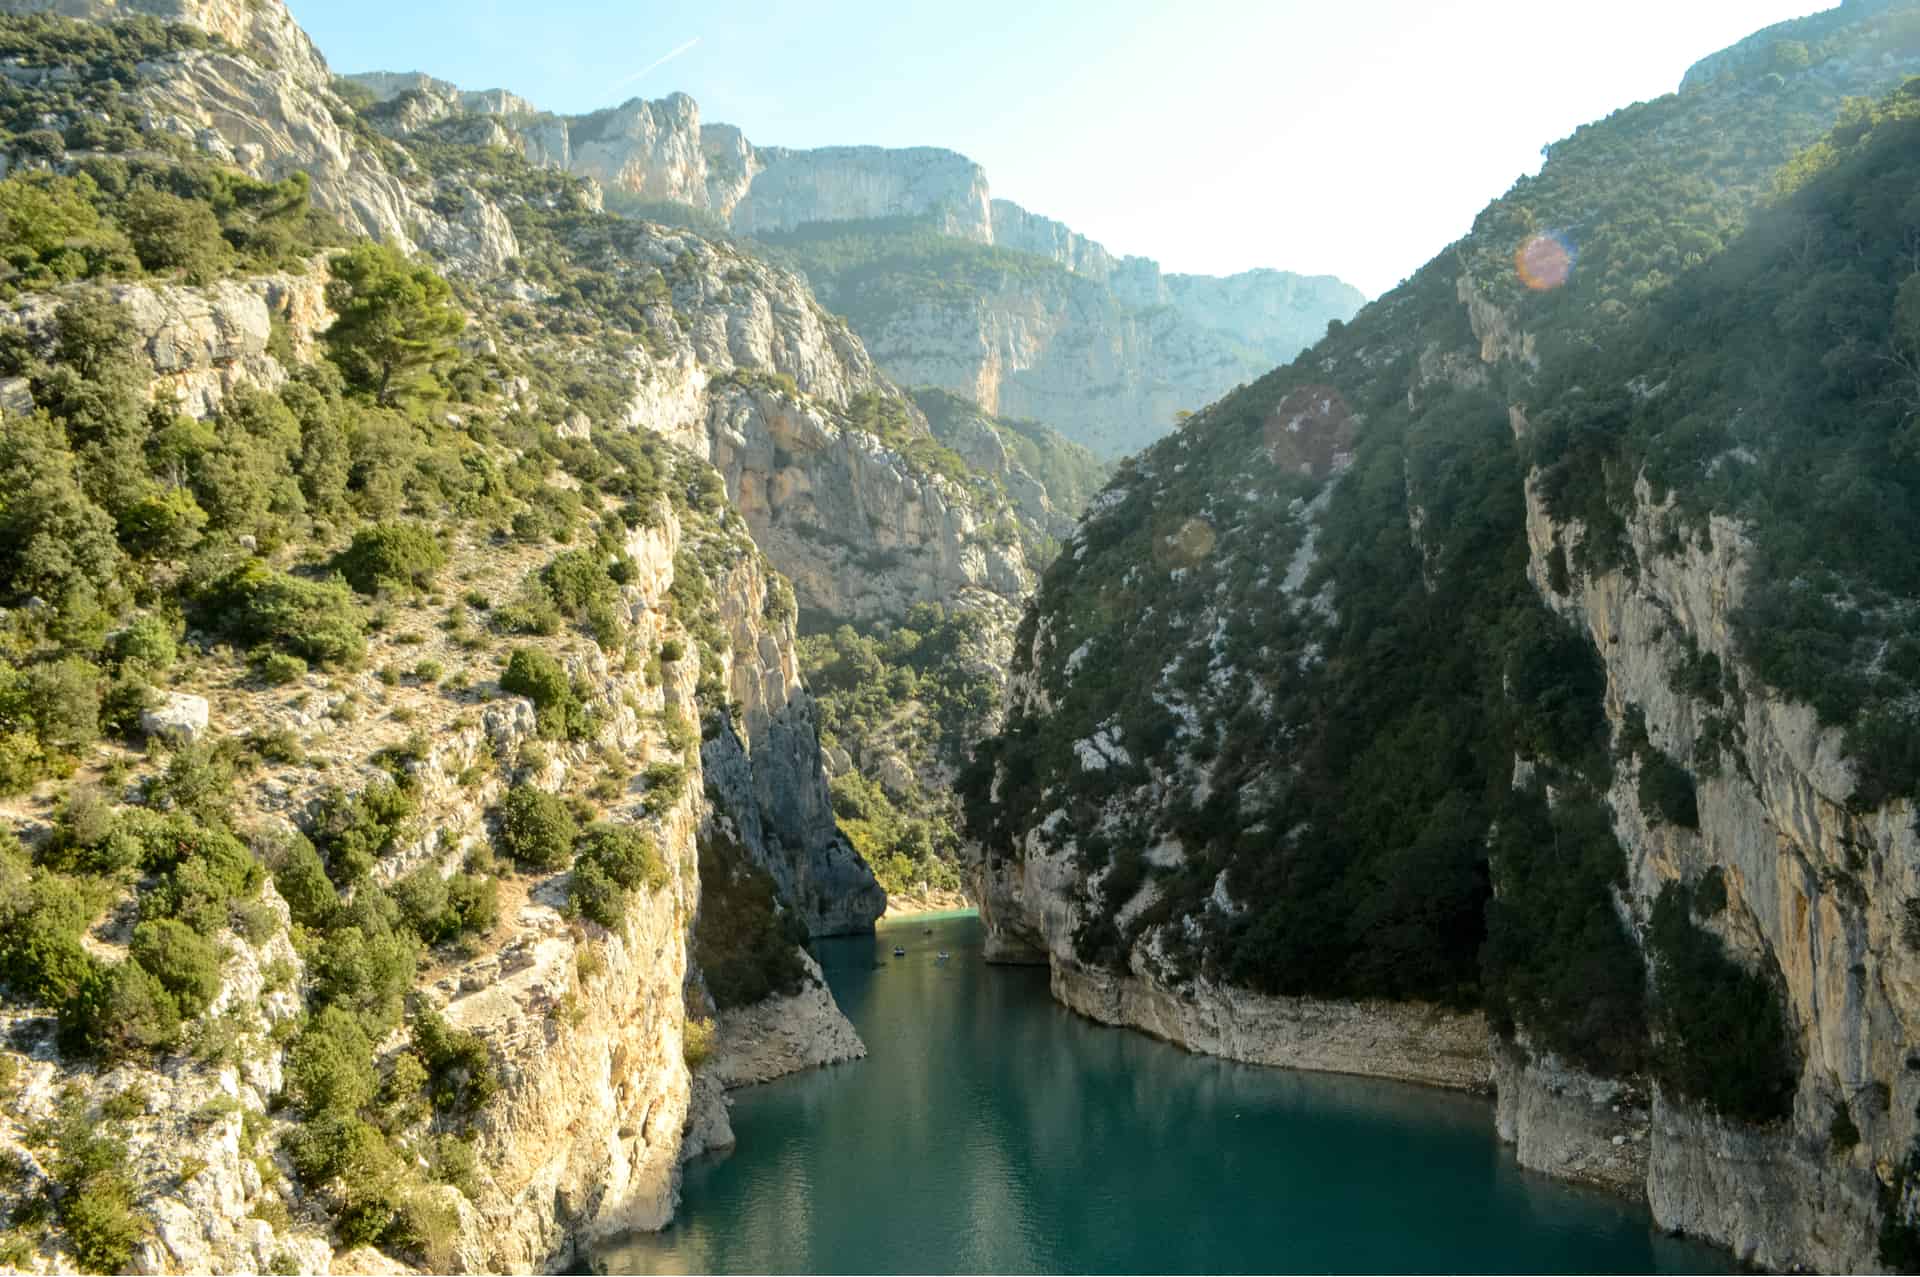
(412, 798)
(1487, 674)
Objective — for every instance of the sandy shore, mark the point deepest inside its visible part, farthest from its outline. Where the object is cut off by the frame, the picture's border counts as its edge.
(913, 904)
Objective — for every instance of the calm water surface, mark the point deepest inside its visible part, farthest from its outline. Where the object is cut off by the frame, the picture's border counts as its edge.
(990, 1131)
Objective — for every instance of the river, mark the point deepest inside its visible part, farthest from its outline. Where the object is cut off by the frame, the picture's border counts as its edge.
(991, 1131)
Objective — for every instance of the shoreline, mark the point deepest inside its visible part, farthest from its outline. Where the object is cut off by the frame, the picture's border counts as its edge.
(927, 904)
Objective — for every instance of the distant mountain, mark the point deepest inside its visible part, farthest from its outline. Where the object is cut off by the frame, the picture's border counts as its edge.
(947, 285)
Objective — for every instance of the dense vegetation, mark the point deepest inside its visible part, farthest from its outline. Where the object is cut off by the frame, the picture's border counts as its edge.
(917, 693)
(1314, 690)
(747, 944)
(1794, 354)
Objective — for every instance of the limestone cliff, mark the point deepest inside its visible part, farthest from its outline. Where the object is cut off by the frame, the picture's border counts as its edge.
(1102, 347)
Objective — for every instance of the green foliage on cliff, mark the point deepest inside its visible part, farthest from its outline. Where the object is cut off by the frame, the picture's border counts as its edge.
(1317, 688)
(1777, 386)
(747, 945)
(1720, 1030)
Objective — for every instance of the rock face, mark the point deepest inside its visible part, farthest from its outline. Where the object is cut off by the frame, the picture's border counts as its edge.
(1778, 823)
(771, 778)
(1398, 1040)
(848, 183)
(204, 342)
(1104, 348)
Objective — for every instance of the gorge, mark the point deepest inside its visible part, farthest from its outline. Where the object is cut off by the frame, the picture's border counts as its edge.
(495, 605)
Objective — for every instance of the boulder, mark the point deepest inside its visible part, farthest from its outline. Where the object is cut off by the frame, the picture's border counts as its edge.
(180, 717)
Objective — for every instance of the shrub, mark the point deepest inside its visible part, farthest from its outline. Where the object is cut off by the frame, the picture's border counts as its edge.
(316, 620)
(119, 1011)
(330, 1068)
(366, 965)
(186, 965)
(576, 579)
(170, 233)
(95, 1202)
(443, 909)
(203, 871)
(460, 1069)
(147, 643)
(392, 555)
(696, 1047)
(352, 831)
(301, 879)
(536, 828)
(1666, 791)
(612, 861)
(41, 957)
(539, 677)
(277, 669)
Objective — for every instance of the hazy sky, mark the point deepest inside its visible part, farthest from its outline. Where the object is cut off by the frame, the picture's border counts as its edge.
(1350, 137)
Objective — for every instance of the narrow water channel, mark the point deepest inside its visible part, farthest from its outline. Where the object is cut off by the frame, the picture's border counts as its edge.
(991, 1131)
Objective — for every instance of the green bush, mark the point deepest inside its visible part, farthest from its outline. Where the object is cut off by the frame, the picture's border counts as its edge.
(1721, 1036)
(536, 829)
(1666, 791)
(148, 643)
(441, 910)
(277, 669)
(174, 234)
(95, 1198)
(538, 676)
(577, 579)
(330, 1066)
(367, 963)
(612, 862)
(392, 555)
(352, 831)
(119, 1011)
(460, 1068)
(186, 965)
(319, 621)
(300, 876)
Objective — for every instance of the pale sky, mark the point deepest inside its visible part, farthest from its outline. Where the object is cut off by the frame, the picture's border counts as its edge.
(1346, 137)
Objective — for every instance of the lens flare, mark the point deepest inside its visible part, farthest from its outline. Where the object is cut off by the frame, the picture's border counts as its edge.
(1545, 262)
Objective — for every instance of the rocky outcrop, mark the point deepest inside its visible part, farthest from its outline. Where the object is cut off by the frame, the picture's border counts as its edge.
(1816, 890)
(847, 183)
(783, 1035)
(1570, 1124)
(260, 99)
(1404, 1041)
(769, 774)
(262, 27)
(204, 342)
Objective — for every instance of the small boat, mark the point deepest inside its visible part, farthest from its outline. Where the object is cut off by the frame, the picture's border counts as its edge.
(898, 952)
(942, 956)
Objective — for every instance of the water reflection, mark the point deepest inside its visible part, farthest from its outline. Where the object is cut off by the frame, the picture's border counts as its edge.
(990, 1131)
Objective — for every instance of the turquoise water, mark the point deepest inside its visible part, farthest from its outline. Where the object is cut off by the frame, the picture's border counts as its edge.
(990, 1131)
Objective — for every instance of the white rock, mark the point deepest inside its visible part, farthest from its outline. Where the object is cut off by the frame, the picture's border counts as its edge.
(180, 717)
